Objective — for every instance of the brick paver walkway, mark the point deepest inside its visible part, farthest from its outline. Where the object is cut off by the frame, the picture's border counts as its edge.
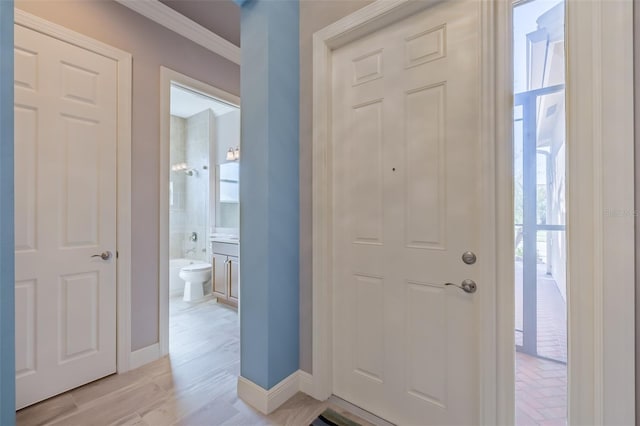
(541, 392)
(552, 315)
(541, 385)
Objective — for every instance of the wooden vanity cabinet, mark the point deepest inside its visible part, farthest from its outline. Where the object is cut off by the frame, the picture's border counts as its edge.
(226, 283)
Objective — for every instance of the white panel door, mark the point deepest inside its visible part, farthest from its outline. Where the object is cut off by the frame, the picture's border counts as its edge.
(65, 212)
(406, 134)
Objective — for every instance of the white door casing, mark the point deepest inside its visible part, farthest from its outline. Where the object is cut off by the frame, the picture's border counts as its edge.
(406, 132)
(168, 77)
(72, 199)
(600, 212)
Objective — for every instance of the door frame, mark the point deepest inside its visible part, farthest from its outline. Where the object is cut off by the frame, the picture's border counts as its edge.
(168, 76)
(600, 211)
(595, 398)
(123, 187)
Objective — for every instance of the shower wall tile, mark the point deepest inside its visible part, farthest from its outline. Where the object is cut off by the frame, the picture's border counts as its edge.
(177, 216)
(197, 141)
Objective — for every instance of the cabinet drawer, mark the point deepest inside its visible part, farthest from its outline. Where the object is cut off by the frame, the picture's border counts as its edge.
(226, 248)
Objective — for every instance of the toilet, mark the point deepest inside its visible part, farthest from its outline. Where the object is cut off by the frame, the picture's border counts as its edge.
(195, 276)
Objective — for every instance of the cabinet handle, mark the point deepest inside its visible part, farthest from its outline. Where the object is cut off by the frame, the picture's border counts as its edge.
(213, 273)
(228, 277)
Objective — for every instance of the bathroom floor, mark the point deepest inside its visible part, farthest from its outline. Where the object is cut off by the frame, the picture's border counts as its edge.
(195, 385)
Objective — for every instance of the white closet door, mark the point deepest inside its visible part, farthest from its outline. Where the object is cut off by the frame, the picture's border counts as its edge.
(65, 186)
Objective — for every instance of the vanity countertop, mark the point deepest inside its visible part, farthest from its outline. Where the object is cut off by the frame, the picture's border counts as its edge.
(224, 238)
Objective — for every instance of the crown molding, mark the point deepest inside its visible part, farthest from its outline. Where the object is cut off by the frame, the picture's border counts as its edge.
(180, 24)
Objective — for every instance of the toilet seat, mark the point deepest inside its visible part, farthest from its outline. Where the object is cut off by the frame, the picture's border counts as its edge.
(197, 267)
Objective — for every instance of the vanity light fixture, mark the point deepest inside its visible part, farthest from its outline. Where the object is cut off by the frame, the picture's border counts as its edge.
(179, 166)
(183, 167)
(233, 154)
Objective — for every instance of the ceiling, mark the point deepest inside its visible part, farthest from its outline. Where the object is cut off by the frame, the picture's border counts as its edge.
(219, 16)
(185, 103)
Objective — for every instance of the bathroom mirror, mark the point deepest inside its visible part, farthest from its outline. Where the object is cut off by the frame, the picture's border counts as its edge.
(228, 195)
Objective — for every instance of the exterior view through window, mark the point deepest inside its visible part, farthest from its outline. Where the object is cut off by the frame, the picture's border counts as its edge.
(540, 210)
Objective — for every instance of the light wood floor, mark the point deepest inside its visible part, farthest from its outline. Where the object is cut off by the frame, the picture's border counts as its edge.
(195, 385)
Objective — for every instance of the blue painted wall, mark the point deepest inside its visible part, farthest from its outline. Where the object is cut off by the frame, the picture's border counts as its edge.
(269, 191)
(7, 316)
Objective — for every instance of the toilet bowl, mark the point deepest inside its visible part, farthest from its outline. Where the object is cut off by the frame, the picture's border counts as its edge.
(195, 276)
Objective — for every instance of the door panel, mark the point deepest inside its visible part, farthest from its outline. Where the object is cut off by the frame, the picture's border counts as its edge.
(426, 340)
(424, 145)
(78, 315)
(406, 140)
(80, 191)
(365, 152)
(369, 356)
(25, 327)
(220, 274)
(65, 138)
(25, 157)
(234, 270)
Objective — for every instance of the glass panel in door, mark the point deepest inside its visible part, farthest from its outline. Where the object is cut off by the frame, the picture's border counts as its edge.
(539, 213)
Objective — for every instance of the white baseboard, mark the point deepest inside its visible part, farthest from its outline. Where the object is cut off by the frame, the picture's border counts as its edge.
(306, 382)
(267, 401)
(280, 393)
(253, 395)
(144, 356)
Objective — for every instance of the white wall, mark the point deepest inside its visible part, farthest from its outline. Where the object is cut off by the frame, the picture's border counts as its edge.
(227, 133)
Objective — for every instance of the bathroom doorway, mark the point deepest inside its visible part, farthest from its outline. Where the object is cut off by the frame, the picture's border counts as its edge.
(200, 221)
